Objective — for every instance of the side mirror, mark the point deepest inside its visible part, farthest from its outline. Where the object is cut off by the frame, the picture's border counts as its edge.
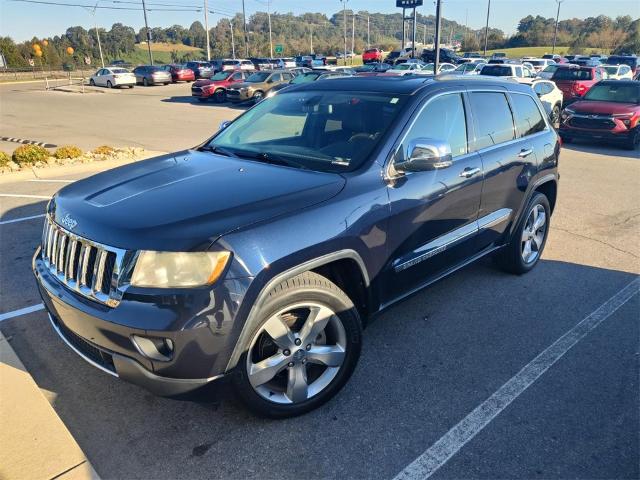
(224, 124)
(426, 154)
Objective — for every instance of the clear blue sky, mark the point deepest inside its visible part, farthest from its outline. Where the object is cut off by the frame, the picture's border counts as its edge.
(22, 21)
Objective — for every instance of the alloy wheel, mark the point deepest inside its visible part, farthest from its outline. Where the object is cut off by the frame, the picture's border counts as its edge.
(533, 234)
(296, 353)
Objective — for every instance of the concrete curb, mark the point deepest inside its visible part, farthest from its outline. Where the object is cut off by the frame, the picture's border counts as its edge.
(35, 442)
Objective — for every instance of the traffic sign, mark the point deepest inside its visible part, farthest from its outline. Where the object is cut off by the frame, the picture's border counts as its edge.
(279, 49)
(408, 3)
(32, 62)
(87, 59)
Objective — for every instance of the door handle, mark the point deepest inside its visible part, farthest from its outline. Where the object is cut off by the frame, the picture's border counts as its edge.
(469, 172)
(524, 153)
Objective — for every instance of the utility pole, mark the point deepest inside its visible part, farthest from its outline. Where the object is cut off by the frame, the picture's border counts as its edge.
(344, 20)
(555, 33)
(486, 28)
(404, 33)
(437, 39)
(311, 38)
(92, 11)
(270, 40)
(146, 25)
(233, 43)
(206, 26)
(353, 35)
(244, 26)
(413, 37)
(424, 34)
(368, 38)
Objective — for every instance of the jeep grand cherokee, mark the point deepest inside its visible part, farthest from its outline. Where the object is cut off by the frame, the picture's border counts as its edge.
(261, 254)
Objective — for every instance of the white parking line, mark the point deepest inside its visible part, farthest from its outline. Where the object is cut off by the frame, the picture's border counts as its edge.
(14, 195)
(21, 219)
(22, 311)
(456, 438)
(52, 180)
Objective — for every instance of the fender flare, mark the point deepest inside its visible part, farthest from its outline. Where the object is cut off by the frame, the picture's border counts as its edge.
(253, 317)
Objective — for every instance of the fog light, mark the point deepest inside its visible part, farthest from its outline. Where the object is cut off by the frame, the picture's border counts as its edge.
(160, 349)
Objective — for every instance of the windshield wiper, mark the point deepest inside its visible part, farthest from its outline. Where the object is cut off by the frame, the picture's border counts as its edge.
(272, 159)
(219, 151)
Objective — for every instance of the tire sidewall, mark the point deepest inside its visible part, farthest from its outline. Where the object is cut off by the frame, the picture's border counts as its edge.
(352, 325)
(536, 199)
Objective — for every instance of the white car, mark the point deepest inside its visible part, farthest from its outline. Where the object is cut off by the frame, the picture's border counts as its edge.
(442, 68)
(285, 63)
(404, 69)
(468, 69)
(508, 70)
(113, 77)
(619, 72)
(539, 64)
(551, 98)
(238, 64)
(548, 72)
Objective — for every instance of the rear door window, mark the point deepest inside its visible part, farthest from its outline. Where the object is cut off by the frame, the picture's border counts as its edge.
(528, 118)
(493, 120)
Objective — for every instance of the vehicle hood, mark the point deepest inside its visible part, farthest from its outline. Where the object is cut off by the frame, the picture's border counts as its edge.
(585, 106)
(186, 200)
(205, 83)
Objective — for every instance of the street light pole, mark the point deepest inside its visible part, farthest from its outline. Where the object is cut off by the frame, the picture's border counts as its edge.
(244, 26)
(486, 28)
(353, 35)
(368, 37)
(233, 43)
(92, 11)
(206, 26)
(436, 64)
(146, 24)
(311, 38)
(344, 20)
(270, 40)
(555, 33)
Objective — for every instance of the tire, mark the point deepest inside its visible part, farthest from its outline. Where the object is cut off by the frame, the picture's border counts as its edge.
(257, 96)
(285, 312)
(555, 117)
(513, 257)
(219, 95)
(92, 83)
(109, 84)
(145, 82)
(131, 86)
(634, 140)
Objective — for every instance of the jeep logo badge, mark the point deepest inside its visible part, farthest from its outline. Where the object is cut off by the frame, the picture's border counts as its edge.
(68, 222)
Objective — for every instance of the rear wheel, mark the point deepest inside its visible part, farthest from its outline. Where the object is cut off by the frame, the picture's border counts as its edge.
(303, 351)
(219, 95)
(555, 117)
(523, 251)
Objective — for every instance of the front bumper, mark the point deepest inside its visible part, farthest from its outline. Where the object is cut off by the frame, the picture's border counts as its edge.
(236, 96)
(614, 136)
(201, 324)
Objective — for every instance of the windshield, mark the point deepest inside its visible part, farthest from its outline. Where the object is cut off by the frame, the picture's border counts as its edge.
(119, 70)
(220, 76)
(258, 77)
(536, 63)
(611, 70)
(551, 68)
(571, 74)
(631, 61)
(496, 71)
(614, 93)
(230, 62)
(318, 130)
(402, 66)
(393, 55)
(306, 78)
(371, 50)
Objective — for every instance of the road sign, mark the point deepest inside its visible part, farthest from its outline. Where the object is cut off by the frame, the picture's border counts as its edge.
(279, 49)
(87, 59)
(32, 62)
(408, 3)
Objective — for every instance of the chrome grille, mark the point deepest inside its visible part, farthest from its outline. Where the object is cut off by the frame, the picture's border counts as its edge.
(87, 267)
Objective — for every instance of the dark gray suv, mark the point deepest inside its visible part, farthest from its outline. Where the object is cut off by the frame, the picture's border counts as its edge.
(262, 254)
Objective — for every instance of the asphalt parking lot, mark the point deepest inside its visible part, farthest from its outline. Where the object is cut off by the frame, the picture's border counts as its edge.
(427, 362)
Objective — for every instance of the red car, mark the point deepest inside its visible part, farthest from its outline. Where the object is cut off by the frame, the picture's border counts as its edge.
(216, 87)
(575, 81)
(179, 73)
(372, 55)
(610, 110)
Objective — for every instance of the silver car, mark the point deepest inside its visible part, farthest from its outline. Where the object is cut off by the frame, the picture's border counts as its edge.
(151, 75)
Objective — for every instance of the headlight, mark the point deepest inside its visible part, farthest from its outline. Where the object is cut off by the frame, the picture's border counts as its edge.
(244, 89)
(178, 269)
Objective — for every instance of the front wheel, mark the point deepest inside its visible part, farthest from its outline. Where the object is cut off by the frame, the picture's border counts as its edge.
(219, 96)
(109, 84)
(304, 349)
(634, 140)
(524, 250)
(257, 96)
(92, 83)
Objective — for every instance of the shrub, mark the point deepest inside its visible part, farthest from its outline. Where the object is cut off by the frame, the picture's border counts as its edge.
(104, 150)
(30, 154)
(4, 159)
(68, 151)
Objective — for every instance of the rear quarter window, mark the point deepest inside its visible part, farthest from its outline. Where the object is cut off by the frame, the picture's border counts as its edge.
(527, 115)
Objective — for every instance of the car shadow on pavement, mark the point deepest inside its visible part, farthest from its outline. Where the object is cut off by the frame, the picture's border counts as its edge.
(195, 101)
(445, 348)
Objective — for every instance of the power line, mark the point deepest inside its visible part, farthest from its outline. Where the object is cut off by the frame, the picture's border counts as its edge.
(42, 2)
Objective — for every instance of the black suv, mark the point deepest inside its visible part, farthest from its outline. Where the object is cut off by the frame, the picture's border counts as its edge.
(263, 253)
(446, 56)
